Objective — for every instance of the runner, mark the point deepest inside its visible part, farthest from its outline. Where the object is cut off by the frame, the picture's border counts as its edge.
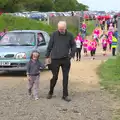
(85, 47)
(79, 48)
(104, 45)
(92, 48)
(96, 34)
(111, 28)
(110, 35)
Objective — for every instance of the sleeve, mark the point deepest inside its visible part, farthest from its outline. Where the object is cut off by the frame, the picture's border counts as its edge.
(28, 68)
(50, 46)
(73, 47)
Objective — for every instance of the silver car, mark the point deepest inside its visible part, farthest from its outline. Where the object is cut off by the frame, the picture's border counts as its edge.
(17, 46)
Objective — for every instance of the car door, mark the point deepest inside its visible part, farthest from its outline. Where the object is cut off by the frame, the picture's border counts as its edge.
(41, 46)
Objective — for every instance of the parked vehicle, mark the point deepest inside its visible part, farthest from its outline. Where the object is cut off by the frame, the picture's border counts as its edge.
(37, 16)
(17, 46)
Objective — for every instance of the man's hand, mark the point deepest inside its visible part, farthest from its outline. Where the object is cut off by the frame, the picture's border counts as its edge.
(47, 61)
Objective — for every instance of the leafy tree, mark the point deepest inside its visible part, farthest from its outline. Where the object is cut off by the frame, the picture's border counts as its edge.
(41, 5)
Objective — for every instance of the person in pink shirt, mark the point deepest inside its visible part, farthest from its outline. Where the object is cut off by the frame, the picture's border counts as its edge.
(84, 26)
(111, 28)
(80, 37)
(93, 47)
(96, 34)
(85, 47)
(110, 41)
(110, 33)
(104, 45)
(78, 48)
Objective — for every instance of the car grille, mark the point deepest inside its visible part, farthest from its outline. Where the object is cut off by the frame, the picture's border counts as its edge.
(7, 56)
(14, 65)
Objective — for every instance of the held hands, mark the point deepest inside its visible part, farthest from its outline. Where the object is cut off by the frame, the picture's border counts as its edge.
(47, 61)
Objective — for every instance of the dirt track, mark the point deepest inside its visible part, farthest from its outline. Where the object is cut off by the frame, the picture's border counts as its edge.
(89, 102)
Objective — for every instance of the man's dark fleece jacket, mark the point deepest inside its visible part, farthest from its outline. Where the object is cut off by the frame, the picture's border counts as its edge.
(61, 46)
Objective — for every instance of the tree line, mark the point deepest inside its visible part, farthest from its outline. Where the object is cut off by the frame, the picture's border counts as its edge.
(41, 5)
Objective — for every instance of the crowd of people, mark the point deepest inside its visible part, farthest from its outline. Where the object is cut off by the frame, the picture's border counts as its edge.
(105, 35)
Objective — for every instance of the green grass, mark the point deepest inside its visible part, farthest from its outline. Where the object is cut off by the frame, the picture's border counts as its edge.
(109, 73)
(90, 27)
(15, 23)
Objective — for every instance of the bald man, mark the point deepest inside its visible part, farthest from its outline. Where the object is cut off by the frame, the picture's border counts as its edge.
(61, 49)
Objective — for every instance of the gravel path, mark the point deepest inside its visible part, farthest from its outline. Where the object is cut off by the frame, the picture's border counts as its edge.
(89, 102)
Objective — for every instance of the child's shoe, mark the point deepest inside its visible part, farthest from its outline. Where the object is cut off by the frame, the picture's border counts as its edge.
(36, 98)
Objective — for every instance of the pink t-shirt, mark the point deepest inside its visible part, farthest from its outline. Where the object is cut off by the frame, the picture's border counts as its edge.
(84, 26)
(110, 33)
(104, 42)
(85, 43)
(96, 32)
(110, 39)
(80, 38)
(93, 45)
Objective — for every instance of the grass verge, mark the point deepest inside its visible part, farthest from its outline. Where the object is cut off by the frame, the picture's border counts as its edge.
(109, 73)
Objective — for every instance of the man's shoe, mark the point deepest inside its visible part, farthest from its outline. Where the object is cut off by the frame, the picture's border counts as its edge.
(66, 99)
(49, 96)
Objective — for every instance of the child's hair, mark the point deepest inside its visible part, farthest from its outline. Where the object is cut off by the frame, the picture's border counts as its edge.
(33, 53)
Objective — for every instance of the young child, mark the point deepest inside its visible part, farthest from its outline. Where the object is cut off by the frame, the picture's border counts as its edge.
(93, 46)
(33, 73)
(83, 30)
(110, 34)
(85, 47)
(79, 48)
(104, 45)
(111, 28)
(96, 34)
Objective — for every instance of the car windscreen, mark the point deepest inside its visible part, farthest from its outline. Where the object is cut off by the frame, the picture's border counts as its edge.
(18, 38)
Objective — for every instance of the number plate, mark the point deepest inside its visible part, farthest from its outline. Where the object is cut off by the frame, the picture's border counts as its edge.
(4, 63)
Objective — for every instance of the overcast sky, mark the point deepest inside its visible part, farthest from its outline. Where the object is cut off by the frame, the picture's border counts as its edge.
(106, 5)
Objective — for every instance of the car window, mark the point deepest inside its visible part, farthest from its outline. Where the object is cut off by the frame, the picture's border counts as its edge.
(41, 39)
(47, 37)
(18, 38)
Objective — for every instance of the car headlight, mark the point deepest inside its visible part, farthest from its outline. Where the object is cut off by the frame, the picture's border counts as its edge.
(21, 56)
